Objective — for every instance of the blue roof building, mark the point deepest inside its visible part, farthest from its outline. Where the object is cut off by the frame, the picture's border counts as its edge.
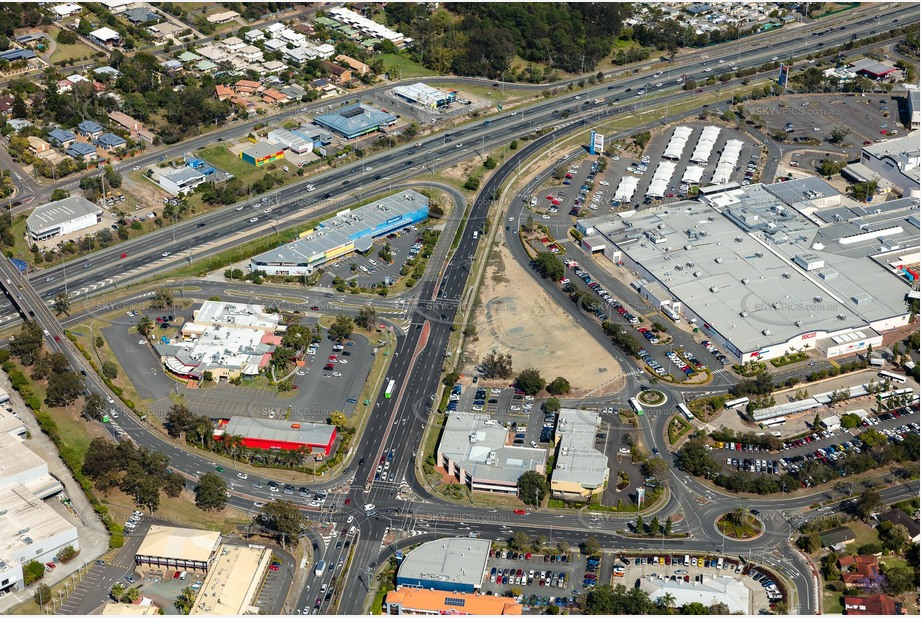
(62, 137)
(90, 129)
(12, 55)
(108, 141)
(355, 120)
(81, 150)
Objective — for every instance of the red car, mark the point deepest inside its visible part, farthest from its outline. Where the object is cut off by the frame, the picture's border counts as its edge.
(520, 512)
(328, 367)
(58, 339)
(123, 255)
(348, 501)
(273, 567)
(50, 565)
(333, 357)
(555, 202)
(314, 308)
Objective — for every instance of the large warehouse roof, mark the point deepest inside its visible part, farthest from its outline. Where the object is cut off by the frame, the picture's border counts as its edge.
(480, 448)
(232, 583)
(459, 560)
(279, 430)
(354, 120)
(422, 93)
(711, 591)
(179, 543)
(60, 212)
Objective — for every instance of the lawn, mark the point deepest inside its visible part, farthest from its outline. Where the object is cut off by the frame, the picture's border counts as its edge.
(76, 51)
(677, 427)
(831, 603)
(181, 509)
(864, 533)
(221, 157)
(401, 67)
(21, 246)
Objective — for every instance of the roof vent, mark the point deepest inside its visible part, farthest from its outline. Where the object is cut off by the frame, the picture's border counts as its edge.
(746, 281)
(766, 332)
(743, 314)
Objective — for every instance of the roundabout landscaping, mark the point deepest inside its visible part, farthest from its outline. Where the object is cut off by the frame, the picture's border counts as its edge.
(652, 398)
(739, 525)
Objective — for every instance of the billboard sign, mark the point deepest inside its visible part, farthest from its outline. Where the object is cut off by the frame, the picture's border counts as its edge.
(596, 143)
(394, 219)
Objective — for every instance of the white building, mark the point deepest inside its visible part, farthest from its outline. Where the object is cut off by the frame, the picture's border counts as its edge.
(66, 216)
(66, 10)
(289, 140)
(181, 181)
(832, 423)
(894, 160)
(105, 36)
(710, 591)
(914, 108)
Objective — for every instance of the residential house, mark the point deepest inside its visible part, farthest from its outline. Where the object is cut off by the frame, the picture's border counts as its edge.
(251, 36)
(293, 91)
(37, 145)
(290, 36)
(134, 127)
(274, 29)
(105, 37)
(65, 85)
(223, 92)
(212, 52)
(62, 137)
(111, 141)
(305, 29)
(275, 45)
(875, 605)
(274, 66)
(6, 105)
(299, 55)
(250, 53)
(837, 538)
(246, 86)
(356, 65)
(338, 74)
(325, 50)
(141, 16)
(244, 105)
(107, 70)
(66, 10)
(232, 43)
(82, 150)
(166, 30)
(898, 517)
(90, 129)
(857, 570)
(18, 124)
(171, 67)
(188, 57)
(223, 17)
(205, 66)
(272, 96)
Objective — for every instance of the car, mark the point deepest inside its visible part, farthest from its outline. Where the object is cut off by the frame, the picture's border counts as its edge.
(258, 505)
(520, 512)
(254, 220)
(623, 451)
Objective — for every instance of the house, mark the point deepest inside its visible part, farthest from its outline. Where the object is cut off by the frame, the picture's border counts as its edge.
(65, 85)
(126, 121)
(19, 124)
(6, 105)
(166, 29)
(246, 86)
(272, 96)
(837, 538)
(876, 605)
(305, 29)
(205, 66)
(338, 74)
(187, 57)
(274, 66)
(223, 92)
(898, 517)
(62, 137)
(37, 145)
(293, 91)
(855, 570)
(66, 10)
(299, 55)
(251, 36)
(171, 66)
(12, 55)
(141, 16)
(275, 45)
(90, 129)
(83, 151)
(232, 43)
(105, 37)
(107, 70)
(359, 67)
(223, 17)
(110, 141)
(244, 105)
(181, 181)
(249, 53)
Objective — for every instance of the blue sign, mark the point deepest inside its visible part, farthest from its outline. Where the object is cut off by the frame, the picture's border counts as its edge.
(394, 219)
(783, 76)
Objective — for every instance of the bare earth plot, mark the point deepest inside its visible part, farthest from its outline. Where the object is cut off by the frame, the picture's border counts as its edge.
(517, 318)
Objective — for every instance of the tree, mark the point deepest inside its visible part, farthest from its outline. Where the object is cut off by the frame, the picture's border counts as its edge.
(94, 407)
(63, 388)
(367, 317)
(337, 418)
(657, 468)
(496, 365)
(131, 595)
(20, 110)
(342, 328)
(862, 191)
(719, 609)
(640, 526)
(668, 526)
(894, 537)
(549, 266)
(838, 134)
(809, 543)
(899, 579)
(532, 487)
(211, 493)
(59, 194)
(552, 405)
(654, 527)
(184, 601)
(66, 554)
(161, 299)
(144, 326)
(592, 546)
(490, 163)
(42, 594)
(667, 601)
(32, 571)
(520, 541)
(867, 504)
(110, 370)
(283, 517)
(559, 386)
(830, 167)
(530, 382)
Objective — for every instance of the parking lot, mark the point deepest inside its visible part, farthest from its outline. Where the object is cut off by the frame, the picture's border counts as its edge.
(368, 269)
(543, 579)
(630, 571)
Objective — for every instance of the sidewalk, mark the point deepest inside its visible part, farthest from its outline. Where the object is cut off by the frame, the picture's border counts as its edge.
(92, 534)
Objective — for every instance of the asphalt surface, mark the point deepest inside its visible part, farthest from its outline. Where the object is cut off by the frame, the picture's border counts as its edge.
(398, 422)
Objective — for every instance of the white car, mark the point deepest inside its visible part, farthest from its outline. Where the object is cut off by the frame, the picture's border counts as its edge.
(707, 70)
(136, 167)
(624, 451)
(511, 218)
(774, 59)
(545, 216)
(336, 374)
(659, 85)
(495, 391)
(722, 61)
(531, 397)
(165, 254)
(369, 168)
(344, 361)
(242, 475)
(110, 400)
(258, 505)
(142, 342)
(238, 208)
(301, 373)
(311, 188)
(267, 210)
(254, 219)
(461, 145)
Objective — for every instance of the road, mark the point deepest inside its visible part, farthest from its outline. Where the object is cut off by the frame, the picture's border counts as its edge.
(397, 423)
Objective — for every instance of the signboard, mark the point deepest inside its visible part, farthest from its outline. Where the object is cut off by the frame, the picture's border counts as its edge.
(394, 219)
(640, 495)
(783, 76)
(595, 143)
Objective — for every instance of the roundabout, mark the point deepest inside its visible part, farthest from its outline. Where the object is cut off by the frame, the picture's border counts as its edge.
(652, 398)
(739, 525)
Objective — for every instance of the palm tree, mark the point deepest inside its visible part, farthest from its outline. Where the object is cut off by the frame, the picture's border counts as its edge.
(667, 601)
(739, 516)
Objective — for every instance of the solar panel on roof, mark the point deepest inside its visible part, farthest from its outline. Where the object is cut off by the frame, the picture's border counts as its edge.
(455, 602)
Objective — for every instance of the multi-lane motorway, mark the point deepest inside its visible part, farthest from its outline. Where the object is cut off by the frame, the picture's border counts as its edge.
(397, 424)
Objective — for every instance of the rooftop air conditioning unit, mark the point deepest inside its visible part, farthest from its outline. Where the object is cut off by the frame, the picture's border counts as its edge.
(743, 314)
(714, 289)
(766, 332)
(746, 281)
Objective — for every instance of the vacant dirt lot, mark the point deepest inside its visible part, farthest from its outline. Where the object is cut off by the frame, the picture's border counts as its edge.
(517, 318)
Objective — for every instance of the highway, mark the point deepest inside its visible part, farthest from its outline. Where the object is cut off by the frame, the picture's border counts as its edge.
(397, 423)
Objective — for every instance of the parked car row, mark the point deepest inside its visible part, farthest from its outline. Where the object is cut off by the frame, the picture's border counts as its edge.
(755, 465)
(538, 601)
(722, 358)
(521, 577)
(602, 293)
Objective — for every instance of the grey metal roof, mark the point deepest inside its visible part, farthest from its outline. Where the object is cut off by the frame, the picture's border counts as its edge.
(60, 212)
(354, 119)
(577, 458)
(459, 560)
(262, 149)
(183, 174)
(335, 232)
(279, 430)
(871, 66)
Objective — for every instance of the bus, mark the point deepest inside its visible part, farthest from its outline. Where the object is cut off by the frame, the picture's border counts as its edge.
(894, 377)
(636, 406)
(321, 566)
(390, 386)
(736, 403)
(774, 422)
(685, 411)
(896, 393)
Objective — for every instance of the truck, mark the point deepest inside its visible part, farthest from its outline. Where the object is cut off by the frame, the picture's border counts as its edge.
(321, 566)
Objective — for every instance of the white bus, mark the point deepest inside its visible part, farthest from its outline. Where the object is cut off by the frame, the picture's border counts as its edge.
(390, 386)
(894, 377)
(774, 422)
(635, 404)
(685, 411)
(736, 403)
